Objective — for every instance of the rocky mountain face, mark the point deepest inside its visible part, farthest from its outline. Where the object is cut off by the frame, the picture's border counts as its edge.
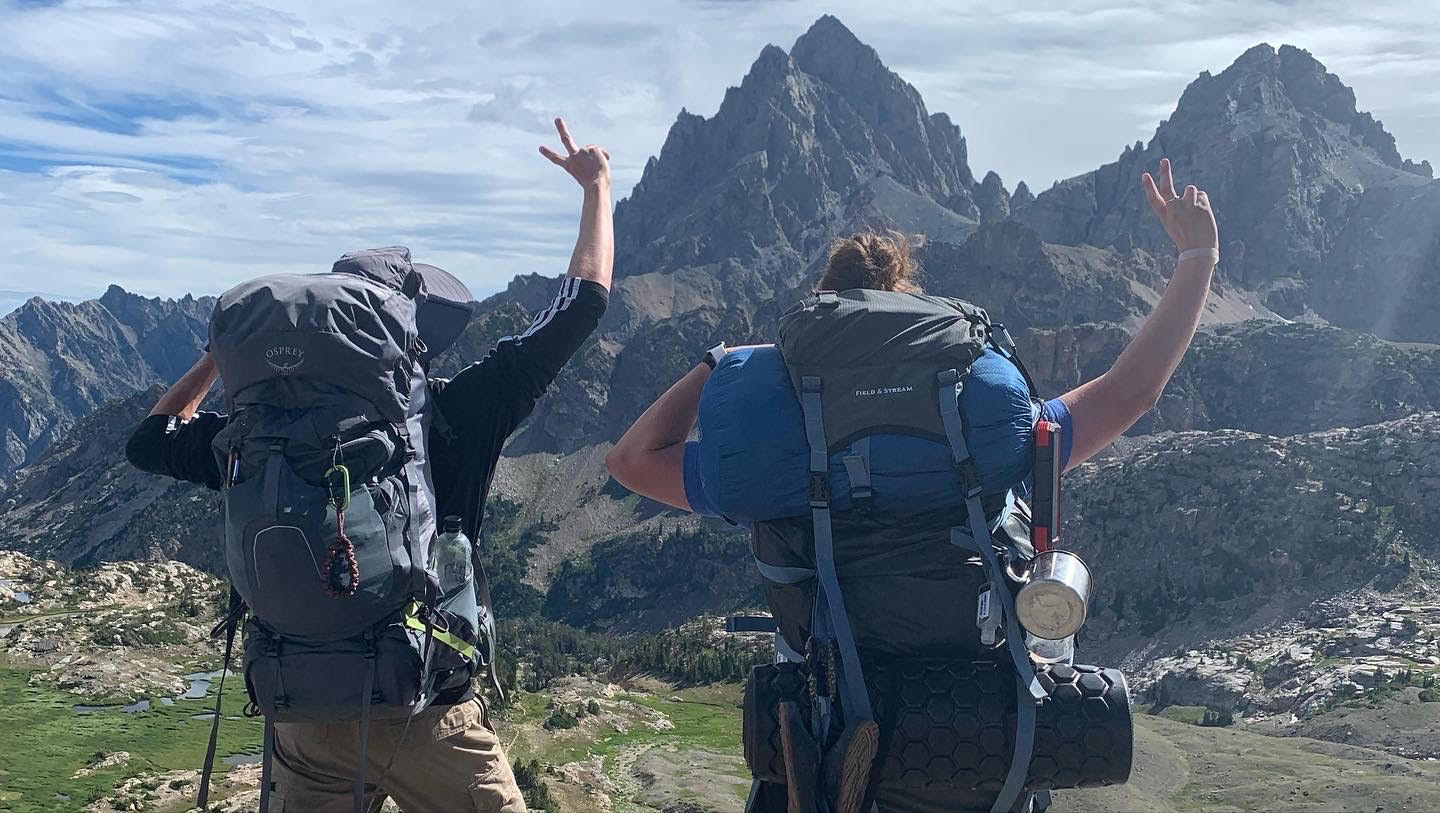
(1267, 377)
(1288, 581)
(1319, 214)
(1236, 524)
(768, 178)
(60, 361)
(1321, 217)
(82, 502)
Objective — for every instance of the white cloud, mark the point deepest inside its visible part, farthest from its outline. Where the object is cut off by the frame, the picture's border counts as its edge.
(178, 146)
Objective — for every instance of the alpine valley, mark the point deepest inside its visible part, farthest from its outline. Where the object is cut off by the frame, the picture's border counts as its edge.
(1263, 541)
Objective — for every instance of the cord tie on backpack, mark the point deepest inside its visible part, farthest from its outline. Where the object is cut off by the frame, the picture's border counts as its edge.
(342, 548)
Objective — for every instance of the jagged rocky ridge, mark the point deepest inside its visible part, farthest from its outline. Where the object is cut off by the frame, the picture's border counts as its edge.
(83, 504)
(59, 361)
(1319, 214)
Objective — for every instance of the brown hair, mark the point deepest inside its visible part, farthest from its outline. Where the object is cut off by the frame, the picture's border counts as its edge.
(879, 261)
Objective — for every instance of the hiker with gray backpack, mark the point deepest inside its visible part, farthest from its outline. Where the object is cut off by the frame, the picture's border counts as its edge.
(351, 482)
(887, 455)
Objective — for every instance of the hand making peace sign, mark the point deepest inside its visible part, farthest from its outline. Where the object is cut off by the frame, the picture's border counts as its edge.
(589, 166)
(1187, 218)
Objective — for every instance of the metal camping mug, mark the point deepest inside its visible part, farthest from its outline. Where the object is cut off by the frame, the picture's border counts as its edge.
(1052, 603)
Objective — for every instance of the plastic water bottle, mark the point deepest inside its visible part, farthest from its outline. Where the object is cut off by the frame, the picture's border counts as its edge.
(450, 557)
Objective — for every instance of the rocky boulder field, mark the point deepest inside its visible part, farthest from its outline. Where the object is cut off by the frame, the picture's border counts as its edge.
(115, 635)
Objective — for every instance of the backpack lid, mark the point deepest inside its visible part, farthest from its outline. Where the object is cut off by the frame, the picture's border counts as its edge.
(876, 355)
(444, 303)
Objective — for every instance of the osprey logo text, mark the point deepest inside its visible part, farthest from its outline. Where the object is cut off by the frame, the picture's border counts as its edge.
(284, 359)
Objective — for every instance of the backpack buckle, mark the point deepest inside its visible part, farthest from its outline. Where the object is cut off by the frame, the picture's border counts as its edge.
(969, 478)
(1002, 338)
(819, 491)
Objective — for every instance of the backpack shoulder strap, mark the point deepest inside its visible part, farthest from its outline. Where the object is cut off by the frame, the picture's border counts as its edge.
(1029, 692)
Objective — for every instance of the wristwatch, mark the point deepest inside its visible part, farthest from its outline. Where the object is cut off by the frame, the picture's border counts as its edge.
(714, 354)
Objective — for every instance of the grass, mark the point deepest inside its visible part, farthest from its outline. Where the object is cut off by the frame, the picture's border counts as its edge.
(45, 742)
(706, 718)
(21, 618)
(1182, 714)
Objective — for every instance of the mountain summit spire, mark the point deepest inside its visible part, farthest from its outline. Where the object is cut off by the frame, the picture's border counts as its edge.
(811, 143)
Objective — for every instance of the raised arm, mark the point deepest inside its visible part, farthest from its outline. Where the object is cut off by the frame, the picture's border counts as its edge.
(185, 396)
(650, 458)
(594, 255)
(1104, 408)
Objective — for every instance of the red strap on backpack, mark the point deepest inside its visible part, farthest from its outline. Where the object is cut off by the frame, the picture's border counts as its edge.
(1045, 502)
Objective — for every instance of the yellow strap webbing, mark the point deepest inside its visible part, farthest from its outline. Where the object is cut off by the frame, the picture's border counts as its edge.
(450, 639)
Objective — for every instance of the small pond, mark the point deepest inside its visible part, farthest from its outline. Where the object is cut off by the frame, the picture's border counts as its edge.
(139, 705)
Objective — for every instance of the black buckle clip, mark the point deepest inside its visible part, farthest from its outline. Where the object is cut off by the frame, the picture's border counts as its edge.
(969, 478)
(1002, 338)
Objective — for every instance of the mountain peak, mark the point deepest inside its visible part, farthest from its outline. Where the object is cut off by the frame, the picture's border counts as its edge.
(992, 198)
(828, 33)
(832, 52)
(1290, 81)
(772, 59)
(784, 156)
(1022, 196)
(1256, 56)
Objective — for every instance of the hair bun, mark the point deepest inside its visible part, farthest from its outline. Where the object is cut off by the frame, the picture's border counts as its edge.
(879, 261)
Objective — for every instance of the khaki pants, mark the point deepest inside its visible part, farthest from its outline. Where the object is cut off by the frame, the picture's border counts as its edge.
(450, 762)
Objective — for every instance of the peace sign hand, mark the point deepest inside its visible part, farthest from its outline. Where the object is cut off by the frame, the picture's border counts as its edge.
(1187, 218)
(589, 166)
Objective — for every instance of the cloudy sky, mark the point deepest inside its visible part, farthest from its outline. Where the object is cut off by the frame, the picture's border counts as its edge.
(174, 146)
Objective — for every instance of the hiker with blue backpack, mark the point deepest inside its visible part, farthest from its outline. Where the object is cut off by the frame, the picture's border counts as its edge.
(870, 452)
(351, 483)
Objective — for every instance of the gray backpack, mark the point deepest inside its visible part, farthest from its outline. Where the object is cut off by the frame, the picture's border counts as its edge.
(328, 505)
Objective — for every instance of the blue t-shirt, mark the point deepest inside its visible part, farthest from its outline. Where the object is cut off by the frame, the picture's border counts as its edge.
(1053, 410)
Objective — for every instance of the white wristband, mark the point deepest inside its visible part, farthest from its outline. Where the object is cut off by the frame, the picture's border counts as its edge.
(1194, 253)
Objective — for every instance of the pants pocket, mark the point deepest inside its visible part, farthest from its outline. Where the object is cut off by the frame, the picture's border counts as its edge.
(496, 791)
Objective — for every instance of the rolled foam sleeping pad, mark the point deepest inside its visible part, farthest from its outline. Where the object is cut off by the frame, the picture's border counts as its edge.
(951, 724)
(754, 460)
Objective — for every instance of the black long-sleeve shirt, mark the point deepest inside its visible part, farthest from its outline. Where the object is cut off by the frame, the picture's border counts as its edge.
(482, 405)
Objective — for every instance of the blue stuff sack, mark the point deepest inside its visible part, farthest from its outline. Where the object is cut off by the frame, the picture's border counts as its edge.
(753, 456)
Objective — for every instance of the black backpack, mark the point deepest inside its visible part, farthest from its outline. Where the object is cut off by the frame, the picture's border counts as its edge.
(329, 510)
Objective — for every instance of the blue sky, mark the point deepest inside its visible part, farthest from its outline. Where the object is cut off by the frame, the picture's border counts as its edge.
(183, 146)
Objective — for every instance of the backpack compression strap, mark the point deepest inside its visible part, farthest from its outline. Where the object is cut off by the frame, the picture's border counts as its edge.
(229, 624)
(1029, 692)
